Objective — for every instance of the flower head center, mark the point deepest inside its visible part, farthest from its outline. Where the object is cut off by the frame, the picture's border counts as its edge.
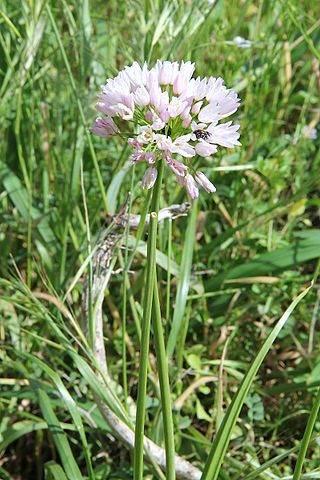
(173, 114)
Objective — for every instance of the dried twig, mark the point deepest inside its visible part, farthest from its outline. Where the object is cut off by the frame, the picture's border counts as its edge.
(108, 241)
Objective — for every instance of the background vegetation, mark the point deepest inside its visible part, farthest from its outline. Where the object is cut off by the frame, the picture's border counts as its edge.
(237, 261)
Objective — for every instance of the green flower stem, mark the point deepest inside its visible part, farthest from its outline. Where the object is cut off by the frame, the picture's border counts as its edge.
(162, 362)
(169, 270)
(145, 333)
(307, 437)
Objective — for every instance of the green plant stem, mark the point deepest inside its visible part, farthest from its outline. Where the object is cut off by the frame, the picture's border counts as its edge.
(124, 303)
(145, 333)
(162, 363)
(307, 437)
(169, 269)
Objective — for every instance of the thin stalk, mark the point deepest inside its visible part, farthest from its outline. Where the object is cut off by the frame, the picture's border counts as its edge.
(307, 437)
(64, 249)
(162, 362)
(124, 347)
(169, 269)
(91, 320)
(180, 349)
(124, 303)
(29, 240)
(145, 334)
(134, 311)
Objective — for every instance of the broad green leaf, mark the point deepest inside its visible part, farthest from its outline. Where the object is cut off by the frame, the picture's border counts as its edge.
(272, 262)
(201, 413)
(19, 429)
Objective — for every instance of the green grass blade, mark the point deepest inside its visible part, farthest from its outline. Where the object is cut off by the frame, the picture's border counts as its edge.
(306, 437)
(10, 24)
(5, 475)
(184, 281)
(53, 471)
(73, 409)
(269, 463)
(114, 187)
(19, 429)
(21, 200)
(80, 108)
(59, 437)
(103, 392)
(161, 258)
(222, 438)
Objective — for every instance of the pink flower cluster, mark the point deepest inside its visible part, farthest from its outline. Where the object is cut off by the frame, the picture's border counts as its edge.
(172, 114)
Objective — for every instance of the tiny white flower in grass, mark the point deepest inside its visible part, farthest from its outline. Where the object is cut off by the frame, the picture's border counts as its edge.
(171, 114)
(312, 133)
(242, 42)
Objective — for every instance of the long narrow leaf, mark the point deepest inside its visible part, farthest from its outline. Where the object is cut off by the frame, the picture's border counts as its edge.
(183, 285)
(307, 437)
(59, 437)
(104, 393)
(53, 471)
(306, 248)
(73, 409)
(222, 438)
(19, 429)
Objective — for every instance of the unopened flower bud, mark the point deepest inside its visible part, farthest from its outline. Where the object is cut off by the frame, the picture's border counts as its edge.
(204, 182)
(191, 186)
(149, 178)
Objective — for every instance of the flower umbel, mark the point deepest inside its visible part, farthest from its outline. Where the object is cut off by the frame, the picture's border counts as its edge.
(172, 114)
